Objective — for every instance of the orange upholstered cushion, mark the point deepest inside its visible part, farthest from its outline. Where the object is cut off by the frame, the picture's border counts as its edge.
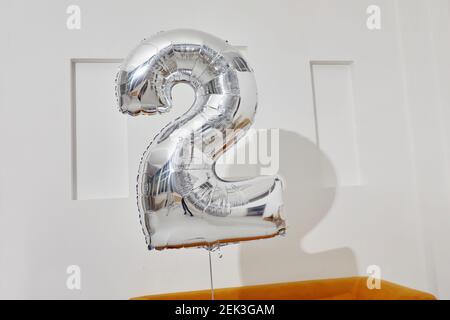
(333, 289)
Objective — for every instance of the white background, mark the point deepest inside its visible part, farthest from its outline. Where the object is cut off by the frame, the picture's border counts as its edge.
(381, 199)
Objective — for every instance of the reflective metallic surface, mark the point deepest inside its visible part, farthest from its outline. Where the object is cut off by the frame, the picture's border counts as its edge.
(181, 200)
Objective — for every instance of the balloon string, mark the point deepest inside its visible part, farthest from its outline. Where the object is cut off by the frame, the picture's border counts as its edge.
(211, 274)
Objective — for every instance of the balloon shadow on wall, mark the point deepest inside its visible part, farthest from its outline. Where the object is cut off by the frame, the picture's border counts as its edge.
(309, 194)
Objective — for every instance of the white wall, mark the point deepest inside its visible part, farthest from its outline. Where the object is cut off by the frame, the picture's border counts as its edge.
(425, 31)
(394, 215)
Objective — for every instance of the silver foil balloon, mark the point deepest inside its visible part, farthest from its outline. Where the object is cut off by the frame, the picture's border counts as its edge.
(182, 202)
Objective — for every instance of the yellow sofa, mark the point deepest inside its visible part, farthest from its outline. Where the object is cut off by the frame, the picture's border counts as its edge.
(332, 289)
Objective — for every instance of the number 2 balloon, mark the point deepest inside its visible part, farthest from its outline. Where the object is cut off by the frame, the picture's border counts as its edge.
(182, 201)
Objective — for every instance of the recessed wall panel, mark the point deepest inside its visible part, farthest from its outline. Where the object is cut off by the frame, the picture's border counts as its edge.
(100, 157)
(335, 119)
